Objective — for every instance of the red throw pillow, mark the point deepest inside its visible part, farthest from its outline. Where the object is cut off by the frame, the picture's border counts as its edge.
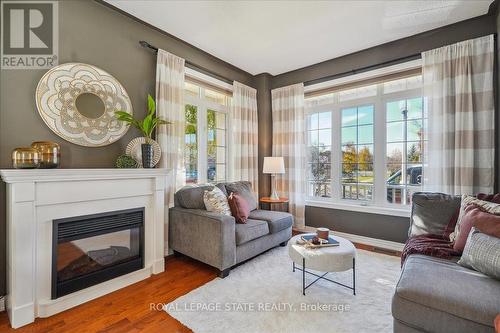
(473, 215)
(239, 207)
(488, 224)
(470, 215)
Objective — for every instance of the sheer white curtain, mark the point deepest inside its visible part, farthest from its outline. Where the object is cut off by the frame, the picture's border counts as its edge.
(289, 142)
(458, 94)
(170, 106)
(245, 135)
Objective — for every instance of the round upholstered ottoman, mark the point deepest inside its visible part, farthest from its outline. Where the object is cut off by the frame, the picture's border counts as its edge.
(324, 259)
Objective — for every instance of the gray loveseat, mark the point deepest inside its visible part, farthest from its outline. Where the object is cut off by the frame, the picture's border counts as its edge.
(217, 239)
(438, 295)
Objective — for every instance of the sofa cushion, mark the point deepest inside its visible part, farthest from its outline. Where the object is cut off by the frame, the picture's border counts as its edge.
(277, 220)
(438, 295)
(191, 197)
(244, 189)
(482, 253)
(251, 230)
(431, 213)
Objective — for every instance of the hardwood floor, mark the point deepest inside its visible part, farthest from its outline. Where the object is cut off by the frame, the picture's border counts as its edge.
(128, 309)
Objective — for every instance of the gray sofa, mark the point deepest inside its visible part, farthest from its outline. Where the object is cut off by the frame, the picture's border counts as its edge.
(438, 295)
(217, 239)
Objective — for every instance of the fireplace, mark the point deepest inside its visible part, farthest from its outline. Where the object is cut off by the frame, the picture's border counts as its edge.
(90, 249)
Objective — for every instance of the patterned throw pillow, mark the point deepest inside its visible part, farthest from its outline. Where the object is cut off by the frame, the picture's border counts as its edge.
(216, 201)
(482, 253)
(489, 207)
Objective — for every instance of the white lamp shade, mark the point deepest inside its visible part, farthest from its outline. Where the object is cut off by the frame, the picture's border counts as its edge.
(274, 165)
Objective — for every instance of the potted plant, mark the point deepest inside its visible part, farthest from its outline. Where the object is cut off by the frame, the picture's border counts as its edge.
(146, 126)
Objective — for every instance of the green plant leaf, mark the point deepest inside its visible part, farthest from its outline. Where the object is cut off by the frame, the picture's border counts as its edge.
(151, 105)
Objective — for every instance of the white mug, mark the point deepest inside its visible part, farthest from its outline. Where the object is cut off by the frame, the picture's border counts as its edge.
(322, 233)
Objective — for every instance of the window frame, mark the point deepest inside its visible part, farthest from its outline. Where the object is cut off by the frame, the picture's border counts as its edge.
(378, 204)
(203, 105)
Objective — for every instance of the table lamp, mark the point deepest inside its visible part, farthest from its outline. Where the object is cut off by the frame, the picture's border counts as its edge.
(274, 166)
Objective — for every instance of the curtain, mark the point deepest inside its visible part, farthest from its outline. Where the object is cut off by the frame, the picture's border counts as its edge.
(245, 135)
(459, 102)
(289, 142)
(170, 107)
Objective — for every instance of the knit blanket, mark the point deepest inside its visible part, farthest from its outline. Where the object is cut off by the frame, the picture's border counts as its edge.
(429, 245)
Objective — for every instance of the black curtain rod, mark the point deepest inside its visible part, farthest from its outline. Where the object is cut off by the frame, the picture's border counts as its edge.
(189, 64)
(364, 69)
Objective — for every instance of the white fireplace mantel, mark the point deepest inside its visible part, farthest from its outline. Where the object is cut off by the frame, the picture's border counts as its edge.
(36, 197)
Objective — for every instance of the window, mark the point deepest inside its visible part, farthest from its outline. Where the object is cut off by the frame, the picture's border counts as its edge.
(365, 143)
(319, 147)
(191, 144)
(404, 152)
(357, 152)
(206, 153)
(216, 122)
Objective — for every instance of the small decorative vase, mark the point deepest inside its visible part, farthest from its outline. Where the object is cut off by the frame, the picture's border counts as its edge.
(25, 158)
(49, 153)
(147, 155)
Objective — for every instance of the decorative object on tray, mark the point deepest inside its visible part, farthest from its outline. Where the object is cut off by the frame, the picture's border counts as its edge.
(126, 162)
(313, 241)
(77, 102)
(134, 149)
(25, 158)
(49, 153)
(323, 233)
(146, 126)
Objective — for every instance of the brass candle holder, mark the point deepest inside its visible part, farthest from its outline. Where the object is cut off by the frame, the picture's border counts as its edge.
(25, 158)
(49, 152)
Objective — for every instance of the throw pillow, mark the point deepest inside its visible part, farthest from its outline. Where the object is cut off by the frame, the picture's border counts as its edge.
(482, 253)
(239, 207)
(431, 213)
(216, 201)
(471, 214)
(244, 189)
(490, 207)
(488, 224)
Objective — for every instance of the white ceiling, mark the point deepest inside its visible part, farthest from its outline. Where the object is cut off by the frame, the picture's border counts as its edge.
(280, 36)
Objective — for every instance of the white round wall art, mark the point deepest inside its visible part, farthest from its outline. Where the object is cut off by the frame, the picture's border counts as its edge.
(56, 96)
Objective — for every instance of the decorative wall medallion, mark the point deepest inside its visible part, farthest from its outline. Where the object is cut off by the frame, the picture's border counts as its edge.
(56, 100)
(134, 149)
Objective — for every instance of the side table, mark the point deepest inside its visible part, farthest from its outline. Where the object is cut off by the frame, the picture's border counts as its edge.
(279, 205)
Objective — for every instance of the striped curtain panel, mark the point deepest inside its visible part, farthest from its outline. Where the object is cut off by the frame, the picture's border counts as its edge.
(170, 106)
(245, 135)
(289, 142)
(458, 95)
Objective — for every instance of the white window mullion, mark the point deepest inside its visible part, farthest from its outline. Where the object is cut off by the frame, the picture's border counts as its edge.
(336, 155)
(379, 150)
(202, 142)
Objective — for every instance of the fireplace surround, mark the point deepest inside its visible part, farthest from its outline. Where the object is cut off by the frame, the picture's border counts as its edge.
(36, 198)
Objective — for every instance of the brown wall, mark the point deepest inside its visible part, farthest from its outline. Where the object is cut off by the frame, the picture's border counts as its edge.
(95, 34)
(263, 85)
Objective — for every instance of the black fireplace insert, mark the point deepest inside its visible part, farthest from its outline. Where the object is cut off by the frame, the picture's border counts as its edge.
(90, 249)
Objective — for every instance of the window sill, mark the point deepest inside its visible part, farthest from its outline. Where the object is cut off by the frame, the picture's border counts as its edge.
(360, 208)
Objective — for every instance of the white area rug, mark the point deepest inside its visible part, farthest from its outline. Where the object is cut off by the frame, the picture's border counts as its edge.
(264, 295)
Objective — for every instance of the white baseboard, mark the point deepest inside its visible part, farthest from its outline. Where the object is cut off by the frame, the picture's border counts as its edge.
(380, 243)
(2, 303)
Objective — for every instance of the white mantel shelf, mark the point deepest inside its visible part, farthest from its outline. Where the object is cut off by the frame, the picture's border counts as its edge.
(47, 175)
(36, 197)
